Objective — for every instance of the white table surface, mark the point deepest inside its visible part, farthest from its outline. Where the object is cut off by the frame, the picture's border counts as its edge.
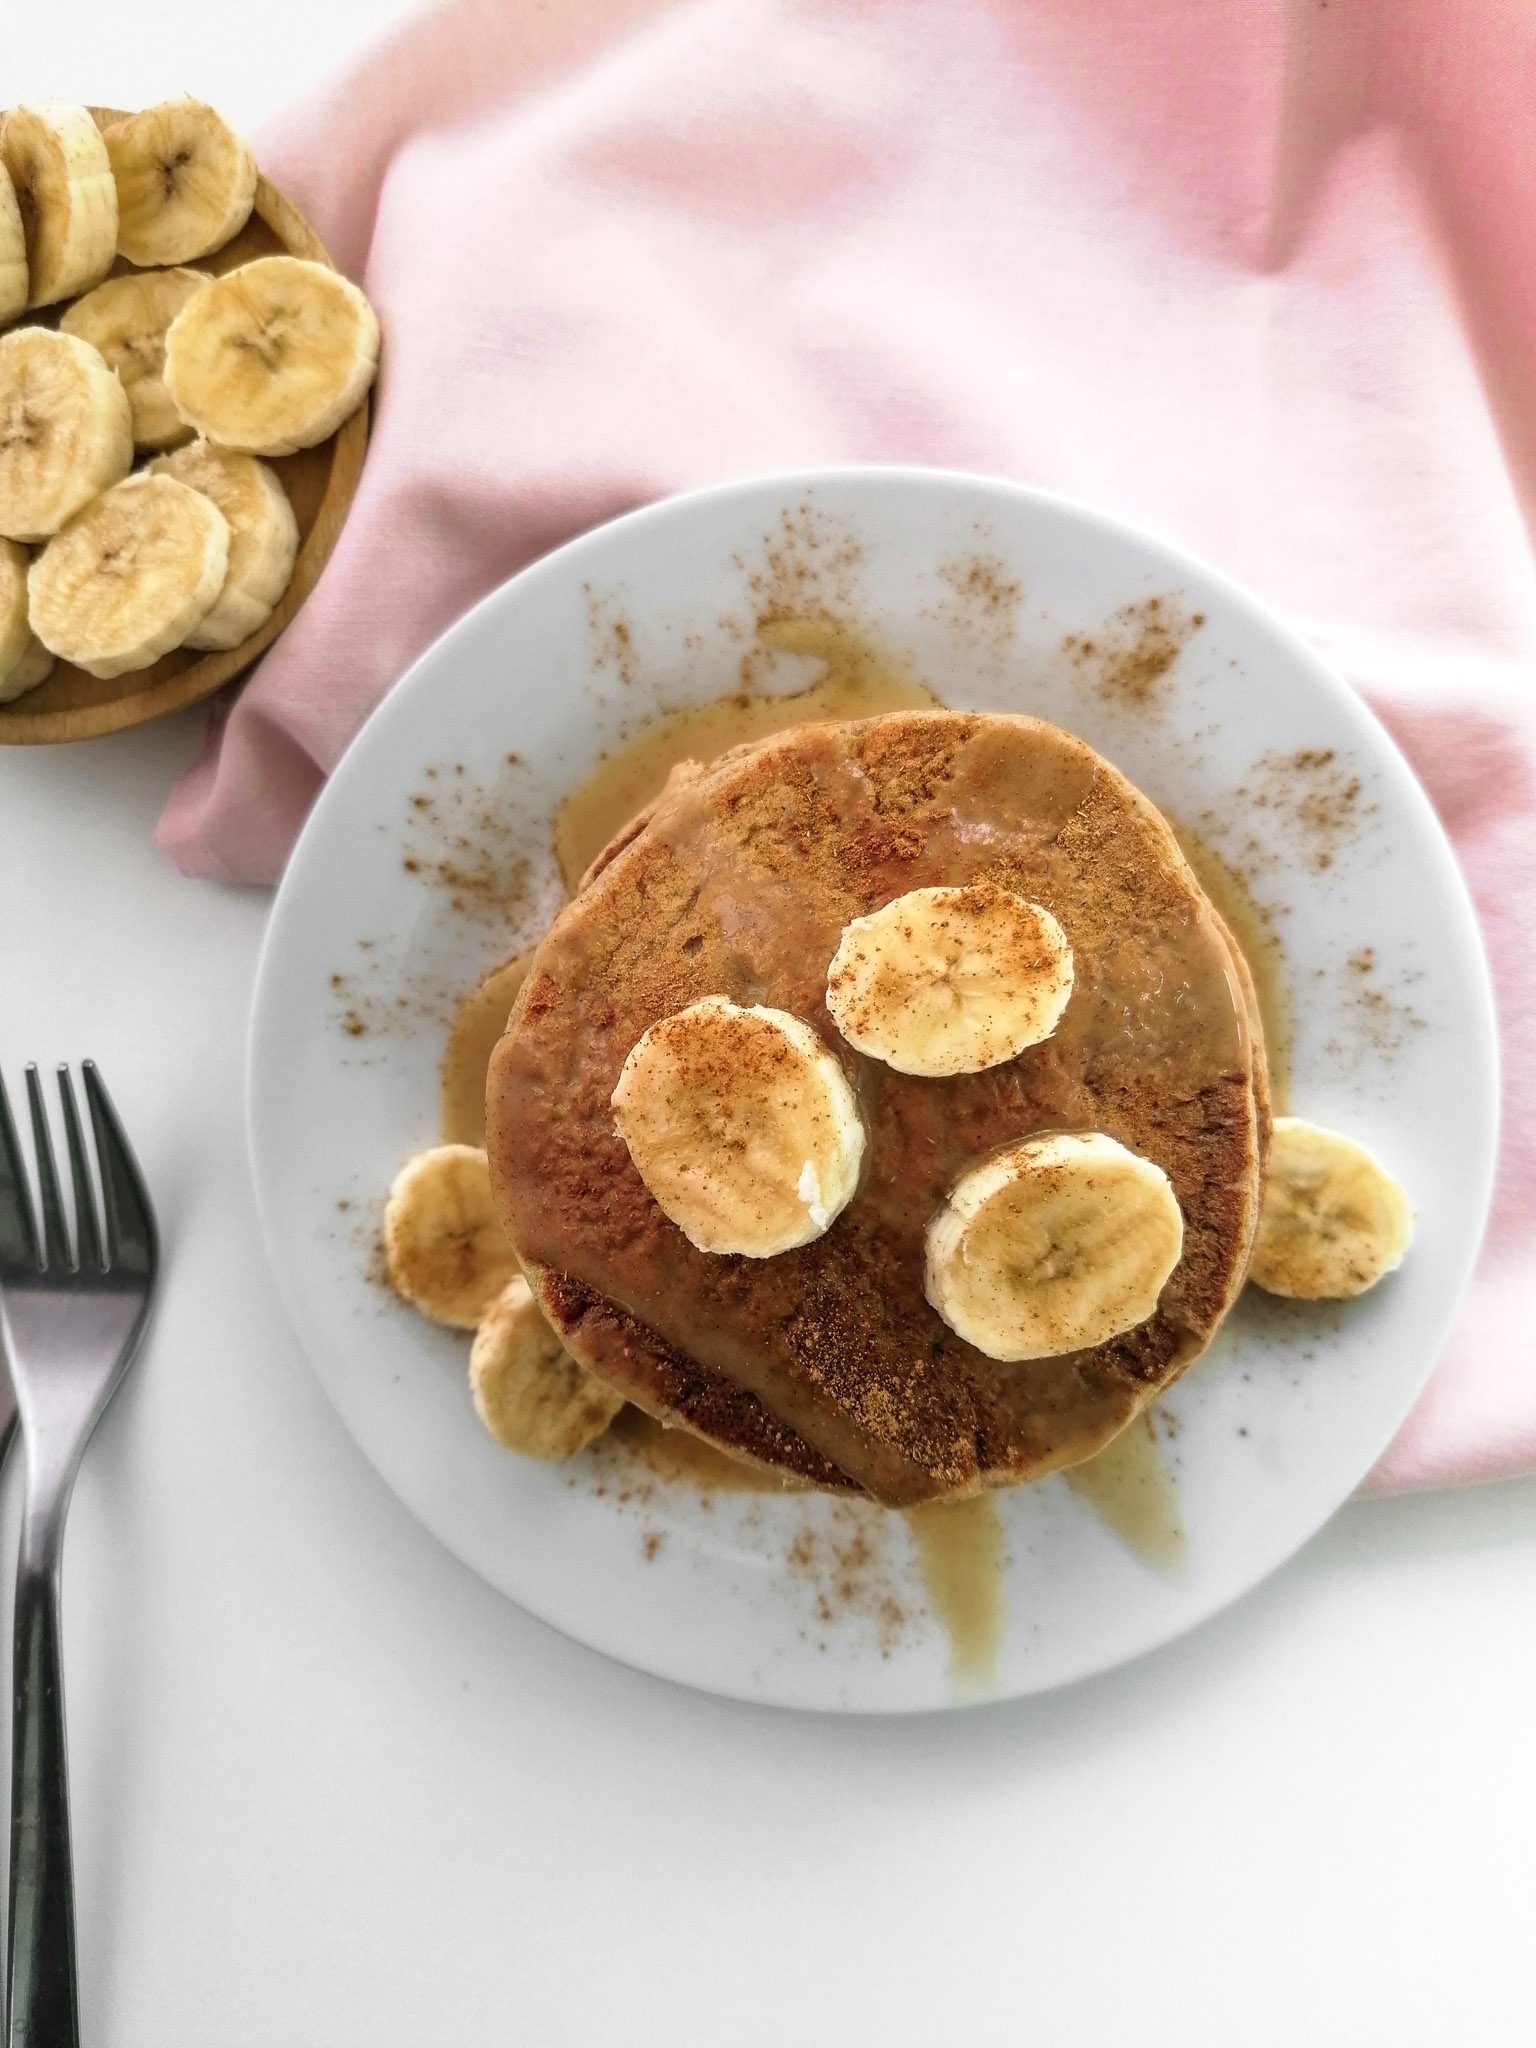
(330, 1789)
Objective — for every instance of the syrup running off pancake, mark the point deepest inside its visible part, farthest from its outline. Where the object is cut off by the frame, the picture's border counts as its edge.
(827, 1361)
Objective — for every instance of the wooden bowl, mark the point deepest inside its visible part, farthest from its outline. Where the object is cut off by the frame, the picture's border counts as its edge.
(320, 482)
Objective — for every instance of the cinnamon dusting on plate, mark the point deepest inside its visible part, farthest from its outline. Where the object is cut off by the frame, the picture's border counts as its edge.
(465, 840)
(1129, 659)
(808, 568)
(982, 610)
(612, 638)
(1314, 793)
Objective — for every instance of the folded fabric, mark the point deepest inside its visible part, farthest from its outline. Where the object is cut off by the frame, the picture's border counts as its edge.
(1261, 277)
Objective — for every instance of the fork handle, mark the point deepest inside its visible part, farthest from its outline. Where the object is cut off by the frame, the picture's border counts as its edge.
(43, 2003)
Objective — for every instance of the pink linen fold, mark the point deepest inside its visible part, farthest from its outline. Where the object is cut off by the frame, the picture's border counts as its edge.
(1260, 276)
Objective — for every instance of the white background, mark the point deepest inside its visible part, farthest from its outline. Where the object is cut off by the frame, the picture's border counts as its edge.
(330, 1789)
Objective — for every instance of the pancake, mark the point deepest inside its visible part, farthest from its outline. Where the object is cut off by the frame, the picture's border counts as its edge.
(826, 1362)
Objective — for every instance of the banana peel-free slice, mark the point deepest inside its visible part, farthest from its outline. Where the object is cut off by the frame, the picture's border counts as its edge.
(742, 1125)
(950, 981)
(527, 1389)
(1334, 1221)
(130, 576)
(62, 179)
(14, 282)
(24, 660)
(186, 182)
(66, 430)
(263, 536)
(125, 321)
(272, 357)
(446, 1252)
(1053, 1245)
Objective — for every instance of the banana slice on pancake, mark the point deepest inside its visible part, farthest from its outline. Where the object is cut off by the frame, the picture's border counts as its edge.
(272, 357)
(62, 177)
(446, 1252)
(527, 1389)
(185, 181)
(125, 321)
(66, 430)
(130, 576)
(24, 660)
(742, 1125)
(1053, 1245)
(1334, 1221)
(950, 981)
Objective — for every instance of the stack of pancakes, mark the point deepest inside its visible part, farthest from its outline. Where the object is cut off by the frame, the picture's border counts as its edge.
(827, 1362)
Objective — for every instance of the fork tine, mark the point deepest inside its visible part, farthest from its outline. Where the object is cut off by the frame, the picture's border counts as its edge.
(18, 1231)
(55, 1232)
(87, 1233)
(131, 1242)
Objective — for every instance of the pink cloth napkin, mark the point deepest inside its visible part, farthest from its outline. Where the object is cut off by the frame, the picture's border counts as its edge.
(1260, 276)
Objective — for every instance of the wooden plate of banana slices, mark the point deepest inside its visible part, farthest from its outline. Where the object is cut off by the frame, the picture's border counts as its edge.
(184, 379)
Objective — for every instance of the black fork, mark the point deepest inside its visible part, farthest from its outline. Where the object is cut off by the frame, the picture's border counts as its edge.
(70, 1323)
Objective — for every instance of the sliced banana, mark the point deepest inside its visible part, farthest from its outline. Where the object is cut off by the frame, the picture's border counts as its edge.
(742, 1125)
(263, 537)
(1334, 1221)
(445, 1249)
(527, 1389)
(13, 251)
(272, 357)
(1053, 1245)
(185, 181)
(24, 660)
(59, 167)
(949, 981)
(129, 577)
(125, 321)
(66, 431)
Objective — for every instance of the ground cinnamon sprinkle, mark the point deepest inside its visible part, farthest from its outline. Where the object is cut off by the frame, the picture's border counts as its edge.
(465, 840)
(468, 841)
(981, 612)
(982, 581)
(611, 636)
(1377, 1020)
(1317, 796)
(840, 1553)
(1131, 656)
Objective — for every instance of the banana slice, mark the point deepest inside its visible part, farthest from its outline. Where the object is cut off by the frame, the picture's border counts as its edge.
(949, 981)
(125, 320)
(185, 182)
(129, 577)
(24, 660)
(742, 1125)
(66, 431)
(527, 1389)
(1334, 1221)
(445, 1250)
(1053, 1245)
(272, 357)
(263, 537)
(13, 251)
(63, 179)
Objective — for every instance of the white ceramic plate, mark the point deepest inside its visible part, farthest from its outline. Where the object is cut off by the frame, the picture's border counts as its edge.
(981, 586)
